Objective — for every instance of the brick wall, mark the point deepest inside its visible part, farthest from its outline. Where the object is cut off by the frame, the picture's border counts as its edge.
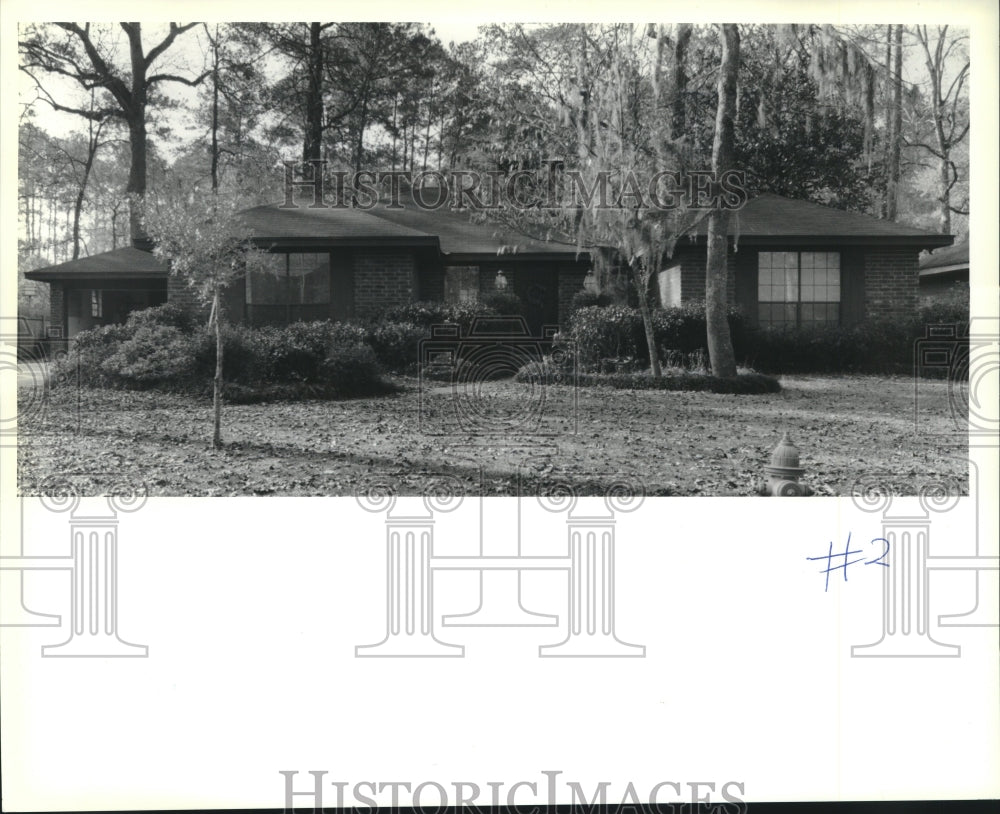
(179, 292)
(891, 283)
(383, 280)
(693, 261)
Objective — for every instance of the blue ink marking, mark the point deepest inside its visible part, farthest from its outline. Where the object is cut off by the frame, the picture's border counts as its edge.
(882, 556)
(829, 561)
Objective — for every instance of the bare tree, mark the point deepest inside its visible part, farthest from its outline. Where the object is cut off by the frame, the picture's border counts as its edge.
(949, 118)
(88, 59)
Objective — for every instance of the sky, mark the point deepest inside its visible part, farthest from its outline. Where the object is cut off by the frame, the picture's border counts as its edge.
(183, 57)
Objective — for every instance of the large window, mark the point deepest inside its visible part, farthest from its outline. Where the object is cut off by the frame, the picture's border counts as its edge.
(798, 288)
(461, 284)
(294, 287)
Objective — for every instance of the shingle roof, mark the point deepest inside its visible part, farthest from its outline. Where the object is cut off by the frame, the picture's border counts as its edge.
(957, 255)
(453, 231)
(459, 235)
(125, 262)
(767, 218)
(770, 216)
(331, 225)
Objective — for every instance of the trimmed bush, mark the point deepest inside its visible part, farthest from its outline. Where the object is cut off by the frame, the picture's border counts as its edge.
(154, 354)
(745, 383)
(169, 314)
(502, 303)
(426, 314)
(590, 299)
(396, 344)
(612, 340)
(616, 332)
(302, 360)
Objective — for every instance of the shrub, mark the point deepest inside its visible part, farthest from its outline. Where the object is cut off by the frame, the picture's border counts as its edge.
(396, 344)
(244, 358)
(745, 383)
(352, 371)
(88, 352)
(296, 352)
(614, 331)
(884, 346)
(154, 354)
(426, 314)
(617, 332)
(502, 303)
(590, 299)
(169, 314)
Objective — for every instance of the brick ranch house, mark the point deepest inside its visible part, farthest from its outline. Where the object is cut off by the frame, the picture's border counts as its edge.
(797, 263)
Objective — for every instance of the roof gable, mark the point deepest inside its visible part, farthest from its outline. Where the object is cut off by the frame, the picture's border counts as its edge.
(124, 262)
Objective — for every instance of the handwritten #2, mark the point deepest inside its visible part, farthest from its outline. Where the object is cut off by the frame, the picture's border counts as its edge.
(848, 552)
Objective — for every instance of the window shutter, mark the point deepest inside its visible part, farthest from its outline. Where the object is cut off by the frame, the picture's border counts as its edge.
(852, 281)
(746, 284)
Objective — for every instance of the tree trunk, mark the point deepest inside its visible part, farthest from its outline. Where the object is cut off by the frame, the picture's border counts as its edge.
(678, 108)
(720, 342)
(312, 148)
(944, 201)
(642, 285)
(362, 126)
(215, 111)
(896, 131)
(217, 382)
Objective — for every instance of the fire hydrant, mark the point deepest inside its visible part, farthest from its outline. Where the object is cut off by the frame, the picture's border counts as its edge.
(784, 472)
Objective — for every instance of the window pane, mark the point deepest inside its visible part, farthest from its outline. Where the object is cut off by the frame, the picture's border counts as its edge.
(309, 279)
(267, 287)
(791, 283)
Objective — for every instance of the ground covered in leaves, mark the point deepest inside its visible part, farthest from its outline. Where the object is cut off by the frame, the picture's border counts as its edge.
(498, 438)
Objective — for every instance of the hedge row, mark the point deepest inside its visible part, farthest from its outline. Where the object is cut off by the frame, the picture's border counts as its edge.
(165, 347)
(745, 383)
(612, 339)
(161, 348)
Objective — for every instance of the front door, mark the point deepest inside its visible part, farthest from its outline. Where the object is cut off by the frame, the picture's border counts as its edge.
(537, 284)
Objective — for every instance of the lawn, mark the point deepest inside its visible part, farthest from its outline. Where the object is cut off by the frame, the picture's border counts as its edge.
(674, 443)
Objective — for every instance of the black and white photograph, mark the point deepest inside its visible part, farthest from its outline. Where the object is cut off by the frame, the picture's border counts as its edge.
(327, 258)
(358, 378)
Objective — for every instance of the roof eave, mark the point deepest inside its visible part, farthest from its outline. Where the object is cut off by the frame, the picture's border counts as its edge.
(57, 276)
(915, 241)
(930, 272)
(283, 241)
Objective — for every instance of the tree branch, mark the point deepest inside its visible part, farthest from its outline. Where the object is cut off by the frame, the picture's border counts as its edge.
(175, 31)
(169, 77)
